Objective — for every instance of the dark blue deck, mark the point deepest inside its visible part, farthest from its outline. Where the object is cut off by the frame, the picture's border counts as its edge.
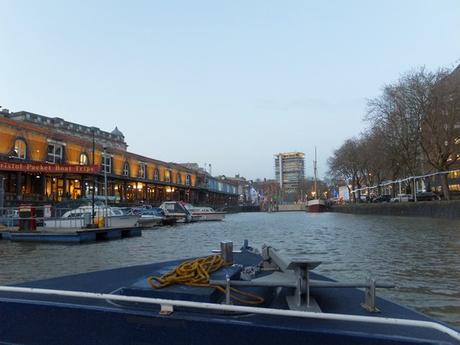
(27, 319)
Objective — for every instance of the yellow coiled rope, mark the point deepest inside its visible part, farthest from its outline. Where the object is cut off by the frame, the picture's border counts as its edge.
(196, 273)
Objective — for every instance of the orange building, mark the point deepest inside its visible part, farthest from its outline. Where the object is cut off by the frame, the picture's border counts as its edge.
(45, 159)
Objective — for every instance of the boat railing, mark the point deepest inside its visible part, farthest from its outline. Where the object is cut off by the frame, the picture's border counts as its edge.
(167, 307)
(50, 217)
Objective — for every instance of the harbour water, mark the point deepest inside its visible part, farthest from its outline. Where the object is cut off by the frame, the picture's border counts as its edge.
(420, 255)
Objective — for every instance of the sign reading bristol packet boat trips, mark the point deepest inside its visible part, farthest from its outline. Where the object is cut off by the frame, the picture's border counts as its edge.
(49, 168)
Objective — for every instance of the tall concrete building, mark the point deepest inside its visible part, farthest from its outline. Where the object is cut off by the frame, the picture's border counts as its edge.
(290, 170)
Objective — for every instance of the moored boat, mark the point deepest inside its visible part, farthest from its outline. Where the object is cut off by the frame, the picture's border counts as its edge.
(80, 217)
(205, 213)
(249, 296)
(152, 217)
(175, 210)
(316, 205)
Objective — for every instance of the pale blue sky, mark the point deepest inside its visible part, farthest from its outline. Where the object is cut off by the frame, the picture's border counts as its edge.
(223, 82)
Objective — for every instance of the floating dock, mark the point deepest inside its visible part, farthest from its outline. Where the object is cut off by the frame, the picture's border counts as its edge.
(70, 235)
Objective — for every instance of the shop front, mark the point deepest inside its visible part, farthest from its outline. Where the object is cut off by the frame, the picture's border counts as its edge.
(42, 182)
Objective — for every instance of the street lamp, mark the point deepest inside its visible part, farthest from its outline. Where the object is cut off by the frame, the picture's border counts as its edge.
(105, 175)
(2, 195)
(94, 180)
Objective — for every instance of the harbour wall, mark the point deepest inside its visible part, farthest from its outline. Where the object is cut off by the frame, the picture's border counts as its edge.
(292, 207)
(239, 208)
(432, 209)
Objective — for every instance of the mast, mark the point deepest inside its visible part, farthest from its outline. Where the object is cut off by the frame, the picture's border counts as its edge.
(315, 170)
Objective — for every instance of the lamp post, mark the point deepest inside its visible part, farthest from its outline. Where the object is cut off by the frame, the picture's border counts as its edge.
(2, 195)
(94, 181)
(105, 175)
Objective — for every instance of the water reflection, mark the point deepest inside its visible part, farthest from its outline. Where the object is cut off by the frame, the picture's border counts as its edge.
(419, 255)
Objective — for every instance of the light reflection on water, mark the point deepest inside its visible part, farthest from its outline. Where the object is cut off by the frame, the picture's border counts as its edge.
(420, 255)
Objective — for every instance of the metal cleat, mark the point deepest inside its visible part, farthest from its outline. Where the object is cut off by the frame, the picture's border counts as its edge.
(369, 297)
(301, 299)
(166, 309)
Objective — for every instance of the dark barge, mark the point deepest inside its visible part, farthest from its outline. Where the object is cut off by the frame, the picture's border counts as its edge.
(128, 306)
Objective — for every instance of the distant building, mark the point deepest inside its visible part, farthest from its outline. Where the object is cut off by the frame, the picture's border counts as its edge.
(454, 177)
(344, 193)
(268, 192)
(194, 166)
(214, 190)
(290, 171)
(243, 188)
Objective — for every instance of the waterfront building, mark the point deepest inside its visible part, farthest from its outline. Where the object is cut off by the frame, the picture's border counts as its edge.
(246, 193)
(269, 190)
(269, 193)
(454, 177)
(48, 159)
(214, 190)
(290, 172)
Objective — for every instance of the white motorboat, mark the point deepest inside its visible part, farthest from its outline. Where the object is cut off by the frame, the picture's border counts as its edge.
(206, 214)
(80, 217)
(152, 217)
(176, 210)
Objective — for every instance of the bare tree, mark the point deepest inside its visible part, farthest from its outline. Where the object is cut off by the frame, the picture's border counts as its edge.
(415, 122)
(377, 157)
(345, 163)
(399, 121)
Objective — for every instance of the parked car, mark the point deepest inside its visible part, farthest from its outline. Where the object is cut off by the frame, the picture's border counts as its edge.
(402, 198)
(427, 196)
(364, 198)
(382, 198)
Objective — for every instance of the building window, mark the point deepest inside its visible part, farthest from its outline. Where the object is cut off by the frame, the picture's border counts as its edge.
(454, 187)
(126, 169)
(106, 163)
(142, 170)
(167, 176)
(178, 179)
(156, 175)
(84, 159)
(55, 153)
(20, 149)
(188, 181)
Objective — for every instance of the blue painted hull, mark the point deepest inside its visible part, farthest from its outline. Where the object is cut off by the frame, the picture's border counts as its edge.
(69, 325)
(31, 319)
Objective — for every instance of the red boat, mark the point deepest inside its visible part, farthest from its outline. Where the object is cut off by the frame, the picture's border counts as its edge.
(316, 205)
